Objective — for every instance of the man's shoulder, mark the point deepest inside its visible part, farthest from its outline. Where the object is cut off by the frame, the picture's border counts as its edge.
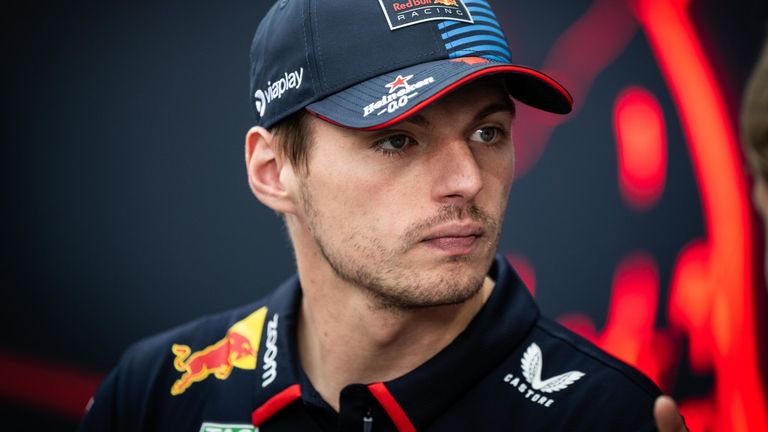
(572, 349)
(154, 372)
(556, 379)
(211, 345)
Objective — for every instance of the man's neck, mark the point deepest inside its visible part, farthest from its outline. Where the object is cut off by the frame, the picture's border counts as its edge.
(345, 337)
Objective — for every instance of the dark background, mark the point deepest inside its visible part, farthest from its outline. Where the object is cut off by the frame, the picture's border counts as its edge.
(127, 209)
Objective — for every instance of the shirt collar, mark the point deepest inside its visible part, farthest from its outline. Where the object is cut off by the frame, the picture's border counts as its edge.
(276, 378)
(425, 393)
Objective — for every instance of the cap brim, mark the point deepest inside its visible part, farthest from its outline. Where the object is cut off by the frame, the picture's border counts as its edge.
(392, 97)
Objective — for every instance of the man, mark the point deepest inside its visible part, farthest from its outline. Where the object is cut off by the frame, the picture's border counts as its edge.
(383, 138)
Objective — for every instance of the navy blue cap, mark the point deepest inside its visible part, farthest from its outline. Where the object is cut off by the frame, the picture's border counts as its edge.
(368, 64)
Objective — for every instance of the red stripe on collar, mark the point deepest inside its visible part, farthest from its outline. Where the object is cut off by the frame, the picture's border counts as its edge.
(390, 405)
(275, 404)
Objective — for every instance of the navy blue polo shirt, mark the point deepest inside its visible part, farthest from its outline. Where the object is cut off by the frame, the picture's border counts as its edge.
(510, 369)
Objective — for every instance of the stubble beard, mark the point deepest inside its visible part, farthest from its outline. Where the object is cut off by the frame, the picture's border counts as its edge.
(364, 262)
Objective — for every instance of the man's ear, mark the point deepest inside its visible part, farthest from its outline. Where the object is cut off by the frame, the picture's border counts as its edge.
(264, 171)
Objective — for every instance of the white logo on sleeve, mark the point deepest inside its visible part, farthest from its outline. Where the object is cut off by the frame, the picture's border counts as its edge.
(531, 364)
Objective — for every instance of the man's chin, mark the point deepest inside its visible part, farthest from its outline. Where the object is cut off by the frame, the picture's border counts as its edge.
(444, 282)
(441, 292)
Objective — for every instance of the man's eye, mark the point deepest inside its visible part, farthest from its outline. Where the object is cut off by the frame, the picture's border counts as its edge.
(488, 135)
(394, 143)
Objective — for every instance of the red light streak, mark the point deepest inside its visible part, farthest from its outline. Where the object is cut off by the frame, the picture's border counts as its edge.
(55, 388)
(638, 123)
(629, 329)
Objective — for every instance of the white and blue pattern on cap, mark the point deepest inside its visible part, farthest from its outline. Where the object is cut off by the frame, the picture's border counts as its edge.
(484, 38)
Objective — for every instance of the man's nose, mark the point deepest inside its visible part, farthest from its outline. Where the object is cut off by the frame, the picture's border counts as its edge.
(455, 172)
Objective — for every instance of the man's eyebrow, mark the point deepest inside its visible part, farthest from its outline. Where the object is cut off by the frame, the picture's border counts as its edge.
(418, 120)
(506, 106)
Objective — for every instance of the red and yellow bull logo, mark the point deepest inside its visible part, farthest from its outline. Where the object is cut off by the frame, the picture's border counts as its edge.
(239, 348)
(447, 2)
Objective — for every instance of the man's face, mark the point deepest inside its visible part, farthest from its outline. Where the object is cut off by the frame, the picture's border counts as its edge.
(413, 213)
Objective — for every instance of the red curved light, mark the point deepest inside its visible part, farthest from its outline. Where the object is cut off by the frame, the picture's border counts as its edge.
(712, 294)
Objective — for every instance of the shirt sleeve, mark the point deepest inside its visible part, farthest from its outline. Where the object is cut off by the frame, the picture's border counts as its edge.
(100, 414)
(126, 399)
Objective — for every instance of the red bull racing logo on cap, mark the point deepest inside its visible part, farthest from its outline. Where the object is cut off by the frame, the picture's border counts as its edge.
(238, 349)
(403, 13)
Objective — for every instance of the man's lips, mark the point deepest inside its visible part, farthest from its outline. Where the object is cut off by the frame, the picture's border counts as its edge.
(452, 231)
(454, 239)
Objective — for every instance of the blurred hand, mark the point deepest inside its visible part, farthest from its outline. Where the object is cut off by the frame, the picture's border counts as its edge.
(668, 419)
